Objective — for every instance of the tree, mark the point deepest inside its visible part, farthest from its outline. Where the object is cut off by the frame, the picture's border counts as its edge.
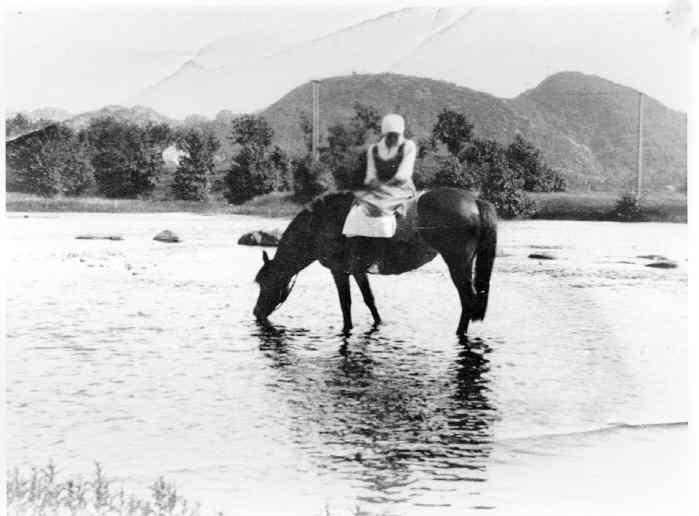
(366, 119)
(345, 153)
(280, 166)
(252, 131)
(127, 158)
(196, 165)
(257, 168)
(453, 130)
(306, 125)
(311, 178)
(18, 124)
(78, 175)
(250, 175)
(49, 161)
(501, 185)
(527, 161)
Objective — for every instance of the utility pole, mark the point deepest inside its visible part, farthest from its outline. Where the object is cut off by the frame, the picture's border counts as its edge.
(316, 120)
(639, 164)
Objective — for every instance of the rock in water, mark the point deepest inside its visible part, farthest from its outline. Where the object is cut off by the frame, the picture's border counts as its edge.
(166, 236)
(541, 256)
(91, 236)
(667, 264)
(261, 238)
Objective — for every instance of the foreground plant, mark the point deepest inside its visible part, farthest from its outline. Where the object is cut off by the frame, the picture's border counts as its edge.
(39, 492)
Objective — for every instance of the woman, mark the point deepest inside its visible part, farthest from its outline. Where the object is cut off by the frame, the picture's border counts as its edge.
(389, 174)
(389, 184)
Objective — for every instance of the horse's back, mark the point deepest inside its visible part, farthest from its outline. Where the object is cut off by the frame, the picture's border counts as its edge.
(448, 208)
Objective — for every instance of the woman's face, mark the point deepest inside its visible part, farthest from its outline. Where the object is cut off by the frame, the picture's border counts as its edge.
(392, 139)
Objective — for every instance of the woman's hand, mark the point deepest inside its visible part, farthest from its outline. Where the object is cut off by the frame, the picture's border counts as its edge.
(373, 211)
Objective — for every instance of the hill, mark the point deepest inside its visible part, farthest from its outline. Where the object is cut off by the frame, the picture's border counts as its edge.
(585, 125)
(140, 115)
(599, 118)
(633, 46)
(46, 113)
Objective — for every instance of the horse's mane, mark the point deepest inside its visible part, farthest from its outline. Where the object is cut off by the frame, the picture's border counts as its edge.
(327, 209)
(331, 201)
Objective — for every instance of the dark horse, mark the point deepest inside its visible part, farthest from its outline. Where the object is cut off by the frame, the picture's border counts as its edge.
(449, 221)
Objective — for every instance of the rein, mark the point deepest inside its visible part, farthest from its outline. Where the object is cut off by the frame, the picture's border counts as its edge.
(292, 283)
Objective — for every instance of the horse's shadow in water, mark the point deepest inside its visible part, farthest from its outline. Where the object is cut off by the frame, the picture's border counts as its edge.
(382, 414)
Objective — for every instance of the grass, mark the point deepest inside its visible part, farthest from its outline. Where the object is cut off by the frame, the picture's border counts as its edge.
(277, 204)
(656, 207)
(40, 492)
(661, 207)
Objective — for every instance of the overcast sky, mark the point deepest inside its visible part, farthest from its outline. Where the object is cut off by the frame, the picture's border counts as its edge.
(79, 59)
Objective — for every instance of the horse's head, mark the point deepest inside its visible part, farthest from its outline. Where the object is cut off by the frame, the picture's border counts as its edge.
(275, 286)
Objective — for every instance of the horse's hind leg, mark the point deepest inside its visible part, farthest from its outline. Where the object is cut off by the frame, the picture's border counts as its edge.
(343, 289)
(368, 295)
(460, 269)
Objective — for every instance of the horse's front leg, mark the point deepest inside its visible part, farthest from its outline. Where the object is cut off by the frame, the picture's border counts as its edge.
(343, 289)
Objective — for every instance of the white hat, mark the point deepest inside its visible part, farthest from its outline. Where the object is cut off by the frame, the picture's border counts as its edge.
(392, 123)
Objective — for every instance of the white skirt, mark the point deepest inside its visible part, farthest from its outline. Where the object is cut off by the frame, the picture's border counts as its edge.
(360, 223)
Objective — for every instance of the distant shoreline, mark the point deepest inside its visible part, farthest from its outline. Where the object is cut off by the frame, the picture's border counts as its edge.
(656, 207)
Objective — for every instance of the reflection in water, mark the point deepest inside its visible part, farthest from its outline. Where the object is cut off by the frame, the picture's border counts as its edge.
(396, 417)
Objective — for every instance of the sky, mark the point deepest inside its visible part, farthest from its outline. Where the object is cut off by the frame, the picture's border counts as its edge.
(79, 59)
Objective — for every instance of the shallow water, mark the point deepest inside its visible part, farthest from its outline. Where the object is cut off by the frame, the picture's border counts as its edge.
(144, 356)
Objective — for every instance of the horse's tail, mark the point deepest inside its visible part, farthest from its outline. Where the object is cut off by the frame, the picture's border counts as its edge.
(485, 256)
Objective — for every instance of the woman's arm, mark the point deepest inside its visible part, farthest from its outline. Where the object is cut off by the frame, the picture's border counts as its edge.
(370, 176)
(405, 169)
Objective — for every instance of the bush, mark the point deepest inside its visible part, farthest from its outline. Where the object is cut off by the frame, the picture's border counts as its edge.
(349, 171)
(451, 172)
(502, 186)
(311, 178)
(524, 158)
(628, 209)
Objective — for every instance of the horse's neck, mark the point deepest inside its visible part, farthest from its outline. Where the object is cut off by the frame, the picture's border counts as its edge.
(296, 249)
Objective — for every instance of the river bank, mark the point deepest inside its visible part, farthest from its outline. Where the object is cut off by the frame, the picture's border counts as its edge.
(656, 207)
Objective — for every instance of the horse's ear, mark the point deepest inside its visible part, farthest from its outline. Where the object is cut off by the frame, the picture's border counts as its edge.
(265, 257)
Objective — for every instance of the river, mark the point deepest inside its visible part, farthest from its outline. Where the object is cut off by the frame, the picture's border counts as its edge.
(571, 397)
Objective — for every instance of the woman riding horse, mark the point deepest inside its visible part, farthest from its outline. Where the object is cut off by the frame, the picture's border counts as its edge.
(389, 184)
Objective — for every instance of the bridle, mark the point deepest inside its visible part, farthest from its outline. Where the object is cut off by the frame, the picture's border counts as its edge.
(291, 284)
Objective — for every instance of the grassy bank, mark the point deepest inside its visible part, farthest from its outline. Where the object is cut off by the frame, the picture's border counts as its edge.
(663, 207)
(271, 205)
(656, 207)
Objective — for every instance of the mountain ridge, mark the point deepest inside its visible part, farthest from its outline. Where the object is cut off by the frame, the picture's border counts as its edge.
(585, 125)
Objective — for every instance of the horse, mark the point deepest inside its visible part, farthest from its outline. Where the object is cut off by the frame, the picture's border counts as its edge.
(450, 221)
